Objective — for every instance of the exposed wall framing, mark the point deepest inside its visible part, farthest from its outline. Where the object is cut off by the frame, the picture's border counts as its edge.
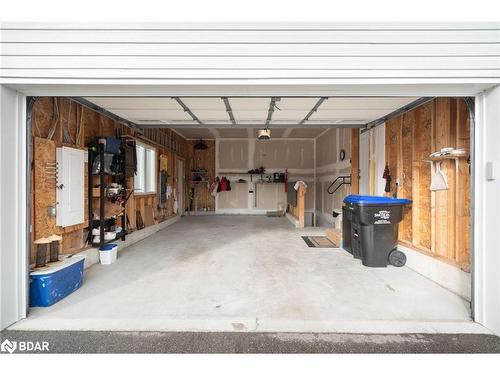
(437, 223)
(74, 125)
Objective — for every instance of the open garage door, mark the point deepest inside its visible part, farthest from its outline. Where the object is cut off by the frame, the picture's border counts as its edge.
(253, 207)
(269, 62)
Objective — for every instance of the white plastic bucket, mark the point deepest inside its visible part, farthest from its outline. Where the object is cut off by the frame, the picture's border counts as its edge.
(107, 253)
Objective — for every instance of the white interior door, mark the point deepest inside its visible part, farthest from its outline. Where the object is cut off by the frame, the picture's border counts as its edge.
(70, 194)
(180, 187)
(364, 163)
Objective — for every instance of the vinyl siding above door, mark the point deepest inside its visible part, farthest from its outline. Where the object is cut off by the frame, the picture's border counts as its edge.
(250, 51)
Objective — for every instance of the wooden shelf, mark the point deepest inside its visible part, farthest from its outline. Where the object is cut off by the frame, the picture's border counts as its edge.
(451, 156)
(200, 182)
(118, 236)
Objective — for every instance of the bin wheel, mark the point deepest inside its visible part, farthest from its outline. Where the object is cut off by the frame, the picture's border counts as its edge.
(397, 258)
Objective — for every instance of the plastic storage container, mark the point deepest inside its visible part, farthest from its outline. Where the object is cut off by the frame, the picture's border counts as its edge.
(374, 229)
(107, 253)
(55, 281)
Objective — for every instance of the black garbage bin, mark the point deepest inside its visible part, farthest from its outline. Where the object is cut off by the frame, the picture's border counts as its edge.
(350, 238)
(374, 229)
(346, 228)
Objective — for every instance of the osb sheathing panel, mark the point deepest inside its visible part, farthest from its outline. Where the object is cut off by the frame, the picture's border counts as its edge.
(42, 117)
(439, 222)
(44, 151)
(44, 196)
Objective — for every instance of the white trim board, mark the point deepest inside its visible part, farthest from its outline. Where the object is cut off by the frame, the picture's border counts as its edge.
(444, 274)
(14, 217)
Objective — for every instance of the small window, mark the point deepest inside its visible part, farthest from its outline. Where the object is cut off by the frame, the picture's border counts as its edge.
(145, 179)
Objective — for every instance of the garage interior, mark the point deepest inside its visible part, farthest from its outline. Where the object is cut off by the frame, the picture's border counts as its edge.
(197, 255)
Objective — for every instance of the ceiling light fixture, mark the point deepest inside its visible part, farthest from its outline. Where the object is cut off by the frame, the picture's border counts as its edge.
(264, 134)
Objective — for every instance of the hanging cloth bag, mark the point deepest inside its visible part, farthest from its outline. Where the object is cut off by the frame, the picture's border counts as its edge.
(439, 181)
(388, 179)
(223, 184)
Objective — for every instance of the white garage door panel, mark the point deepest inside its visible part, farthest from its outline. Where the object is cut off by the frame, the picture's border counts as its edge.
(13, 215)
(241, 63)
(231, 35)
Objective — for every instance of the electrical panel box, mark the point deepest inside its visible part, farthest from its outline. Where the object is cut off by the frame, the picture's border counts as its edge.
(70, 192)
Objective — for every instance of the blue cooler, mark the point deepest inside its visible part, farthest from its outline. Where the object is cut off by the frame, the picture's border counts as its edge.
(55, 281)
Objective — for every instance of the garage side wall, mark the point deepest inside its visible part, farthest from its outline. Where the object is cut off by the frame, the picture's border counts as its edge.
(65, 119)
(438, 223)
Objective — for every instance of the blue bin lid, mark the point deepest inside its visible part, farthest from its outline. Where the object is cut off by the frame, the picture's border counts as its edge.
(371, 200)
(110, 246)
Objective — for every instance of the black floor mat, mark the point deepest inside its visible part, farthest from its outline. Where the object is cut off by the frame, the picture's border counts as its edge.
(319, 242)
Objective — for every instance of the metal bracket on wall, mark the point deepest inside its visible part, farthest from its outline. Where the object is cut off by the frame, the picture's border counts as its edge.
(397, 112)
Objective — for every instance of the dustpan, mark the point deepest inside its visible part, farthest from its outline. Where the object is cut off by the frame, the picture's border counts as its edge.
(439, 181)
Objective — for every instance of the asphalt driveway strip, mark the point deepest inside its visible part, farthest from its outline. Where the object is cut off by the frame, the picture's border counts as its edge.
(232, 342)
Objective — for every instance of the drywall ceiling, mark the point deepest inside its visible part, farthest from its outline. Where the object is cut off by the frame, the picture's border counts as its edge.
(239, 117)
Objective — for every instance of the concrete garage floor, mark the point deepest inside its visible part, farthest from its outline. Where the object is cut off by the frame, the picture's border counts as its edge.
(250, 273)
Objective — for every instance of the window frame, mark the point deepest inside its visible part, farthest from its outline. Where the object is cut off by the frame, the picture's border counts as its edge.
(146, 147)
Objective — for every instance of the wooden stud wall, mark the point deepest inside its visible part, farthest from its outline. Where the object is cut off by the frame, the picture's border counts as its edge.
(437, 223)
(44, 150)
